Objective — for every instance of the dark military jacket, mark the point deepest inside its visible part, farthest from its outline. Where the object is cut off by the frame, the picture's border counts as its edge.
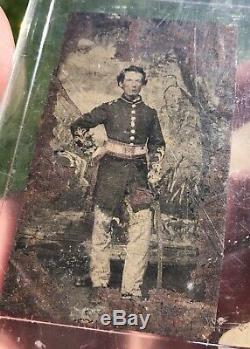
(125, 121)
(133, 123)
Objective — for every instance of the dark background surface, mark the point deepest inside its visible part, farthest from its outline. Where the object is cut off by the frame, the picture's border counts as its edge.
(15, 11)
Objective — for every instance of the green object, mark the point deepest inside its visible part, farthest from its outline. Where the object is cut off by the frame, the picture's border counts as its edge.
(15, 11)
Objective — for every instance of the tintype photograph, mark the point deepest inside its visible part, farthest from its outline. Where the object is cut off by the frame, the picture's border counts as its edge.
(125, 206)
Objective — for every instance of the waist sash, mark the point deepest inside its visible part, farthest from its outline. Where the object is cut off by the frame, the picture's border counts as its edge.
(124, 150)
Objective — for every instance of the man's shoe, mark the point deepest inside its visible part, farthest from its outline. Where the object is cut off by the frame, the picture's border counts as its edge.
(127, 296)
(97, 295)
(131, 297)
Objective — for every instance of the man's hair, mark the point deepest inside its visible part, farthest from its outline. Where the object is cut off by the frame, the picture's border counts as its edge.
(133, 68)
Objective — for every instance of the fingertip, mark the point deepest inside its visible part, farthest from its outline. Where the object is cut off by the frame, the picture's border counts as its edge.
(7, 47)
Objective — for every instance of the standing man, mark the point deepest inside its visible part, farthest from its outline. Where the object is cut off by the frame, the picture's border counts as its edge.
(129, 166)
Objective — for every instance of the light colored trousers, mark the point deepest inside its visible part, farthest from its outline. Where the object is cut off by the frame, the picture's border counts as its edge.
(139, 234)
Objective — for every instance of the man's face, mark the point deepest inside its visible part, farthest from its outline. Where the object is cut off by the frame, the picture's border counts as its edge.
(132, 84)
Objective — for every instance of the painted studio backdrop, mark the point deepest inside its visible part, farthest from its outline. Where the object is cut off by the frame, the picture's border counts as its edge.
(190, 70)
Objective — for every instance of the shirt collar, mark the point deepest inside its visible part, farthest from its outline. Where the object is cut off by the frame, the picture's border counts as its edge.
(135, 101)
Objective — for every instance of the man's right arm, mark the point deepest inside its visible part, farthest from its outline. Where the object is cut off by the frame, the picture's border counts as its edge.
(89, 120)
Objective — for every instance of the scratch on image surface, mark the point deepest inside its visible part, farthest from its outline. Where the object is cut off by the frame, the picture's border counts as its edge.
(215, 230)
(195, 65)
(239, 261)
(203, 3)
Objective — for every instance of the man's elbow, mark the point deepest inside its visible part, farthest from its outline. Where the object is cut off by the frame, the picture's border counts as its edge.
(162, 145)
